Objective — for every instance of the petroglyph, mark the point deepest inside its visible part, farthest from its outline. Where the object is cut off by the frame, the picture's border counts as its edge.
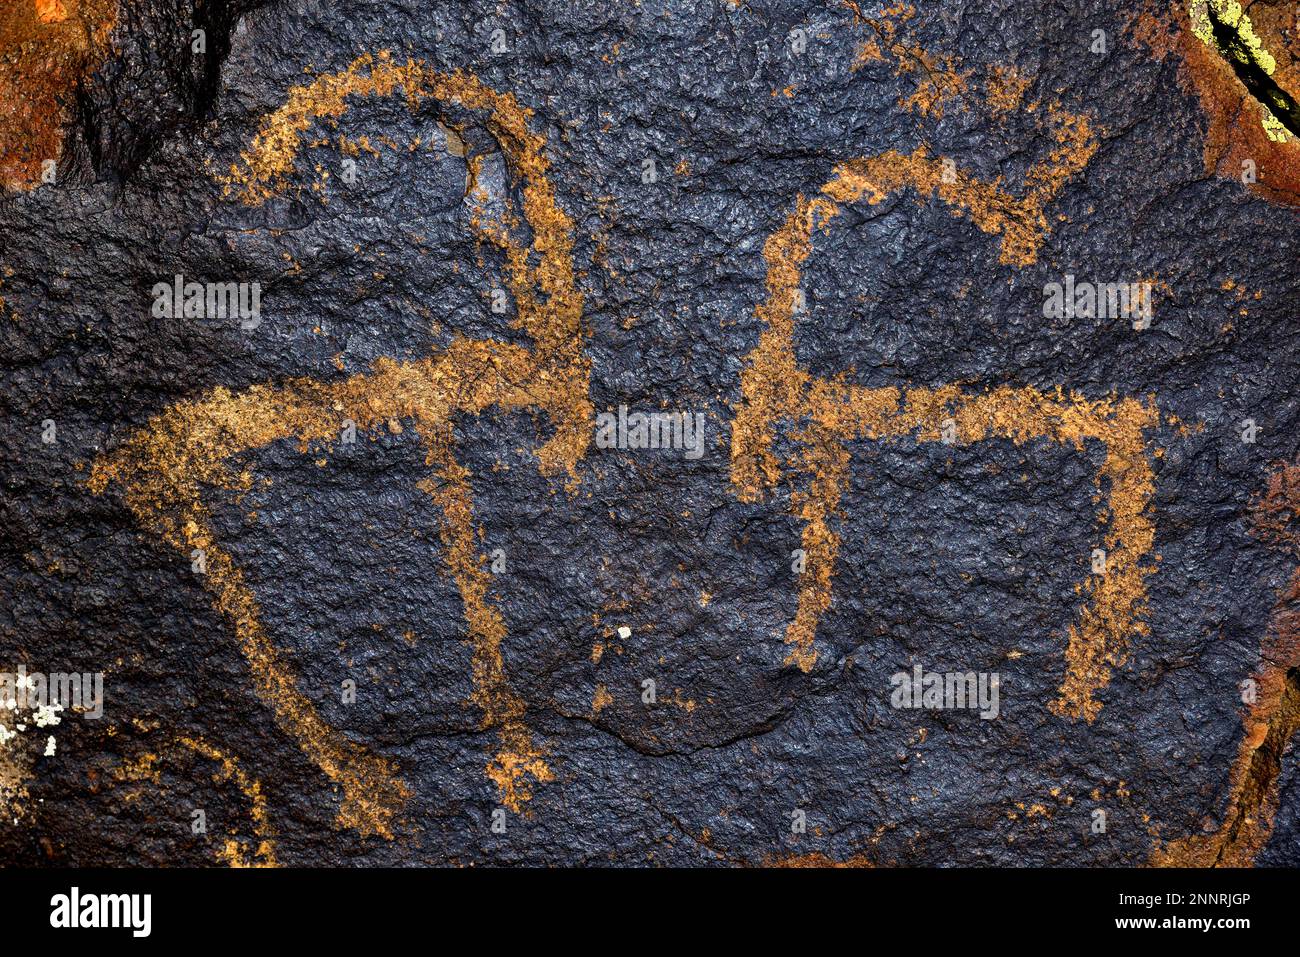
(170, 471)
(164, 467)
(777, 389)
(256, 850)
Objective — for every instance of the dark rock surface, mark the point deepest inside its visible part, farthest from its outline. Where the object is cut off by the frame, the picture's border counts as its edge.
(957, 558)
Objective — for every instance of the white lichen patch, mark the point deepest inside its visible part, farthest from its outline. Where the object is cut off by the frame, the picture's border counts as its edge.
(17, 756)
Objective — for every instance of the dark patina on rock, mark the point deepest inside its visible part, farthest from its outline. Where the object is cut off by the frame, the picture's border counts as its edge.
(365, 588)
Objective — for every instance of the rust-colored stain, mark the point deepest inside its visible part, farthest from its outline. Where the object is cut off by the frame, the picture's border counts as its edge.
(233, 851)
(1243, 130)
(51, 11)
(818, 860)
(1271, 721)
(776, 389)
(184, 449)
(47, 49)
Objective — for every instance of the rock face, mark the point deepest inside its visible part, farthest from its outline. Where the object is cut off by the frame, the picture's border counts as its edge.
(588, 433)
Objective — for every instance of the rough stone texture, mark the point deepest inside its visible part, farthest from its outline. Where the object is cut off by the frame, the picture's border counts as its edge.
(965, 557)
